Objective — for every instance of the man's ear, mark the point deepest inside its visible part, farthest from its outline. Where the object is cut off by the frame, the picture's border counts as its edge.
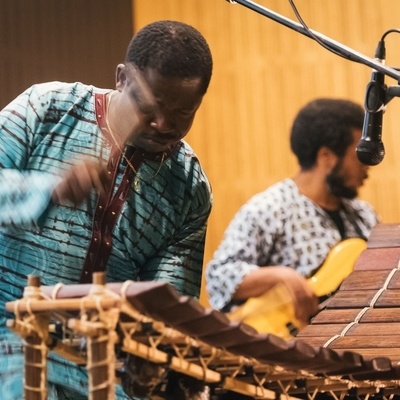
(120, 77)
(326, 158)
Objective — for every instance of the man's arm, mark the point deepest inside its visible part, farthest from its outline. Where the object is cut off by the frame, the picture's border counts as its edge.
(238, 270)
(24, 197)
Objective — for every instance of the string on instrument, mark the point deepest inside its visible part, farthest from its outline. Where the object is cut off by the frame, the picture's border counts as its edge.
(363, 310)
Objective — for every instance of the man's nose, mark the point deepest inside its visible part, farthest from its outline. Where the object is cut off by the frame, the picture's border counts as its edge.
(161, 123)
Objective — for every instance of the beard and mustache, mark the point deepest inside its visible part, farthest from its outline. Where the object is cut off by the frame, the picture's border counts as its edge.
(337, 186)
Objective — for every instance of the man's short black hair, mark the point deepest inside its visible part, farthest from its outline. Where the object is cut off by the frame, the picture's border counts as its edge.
(324, 122)
(173, 49)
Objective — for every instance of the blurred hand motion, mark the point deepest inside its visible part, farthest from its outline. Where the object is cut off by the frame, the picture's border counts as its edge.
(79, 181)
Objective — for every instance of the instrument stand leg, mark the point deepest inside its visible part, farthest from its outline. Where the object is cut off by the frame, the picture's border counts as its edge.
(35, 380)
(100, 367)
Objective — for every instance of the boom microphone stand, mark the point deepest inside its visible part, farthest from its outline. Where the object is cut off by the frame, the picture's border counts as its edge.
(343, 50)
(370, 150)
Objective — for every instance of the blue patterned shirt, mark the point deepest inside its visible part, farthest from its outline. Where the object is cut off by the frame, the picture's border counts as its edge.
(160, 230)
(151, 231)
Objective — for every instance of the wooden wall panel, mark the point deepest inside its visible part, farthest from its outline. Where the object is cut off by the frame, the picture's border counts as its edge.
(66, 40)
(263, 73)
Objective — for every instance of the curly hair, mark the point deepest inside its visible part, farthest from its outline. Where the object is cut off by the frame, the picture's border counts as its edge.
(173, 49)
(324, 122)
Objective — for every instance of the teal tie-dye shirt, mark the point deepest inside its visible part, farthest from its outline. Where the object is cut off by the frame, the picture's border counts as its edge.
(156, 233)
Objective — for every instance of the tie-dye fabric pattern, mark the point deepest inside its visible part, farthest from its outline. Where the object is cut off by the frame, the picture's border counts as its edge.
(159, 233)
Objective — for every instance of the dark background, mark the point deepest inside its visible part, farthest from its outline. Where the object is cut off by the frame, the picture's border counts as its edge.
(65, 40)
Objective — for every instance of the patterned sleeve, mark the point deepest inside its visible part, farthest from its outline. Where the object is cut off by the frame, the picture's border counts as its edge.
(24, 195)
(368, 214)
(238, 254)
(24, 198)
(364, 215)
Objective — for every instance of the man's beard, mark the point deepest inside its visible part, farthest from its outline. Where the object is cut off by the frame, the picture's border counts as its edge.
(336, 184)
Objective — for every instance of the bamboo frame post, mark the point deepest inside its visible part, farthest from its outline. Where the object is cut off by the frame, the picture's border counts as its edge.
(35, 348)
(100, 344)
(35, 370)
(101, 376)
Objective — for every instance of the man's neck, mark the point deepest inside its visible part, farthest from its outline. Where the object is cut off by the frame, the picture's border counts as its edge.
(313, 185)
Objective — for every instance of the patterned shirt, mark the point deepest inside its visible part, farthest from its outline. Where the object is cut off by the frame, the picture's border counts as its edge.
(152, 230)
(280, 226)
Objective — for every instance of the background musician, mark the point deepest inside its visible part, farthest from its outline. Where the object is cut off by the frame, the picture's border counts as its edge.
(99, 179)
(293, 225)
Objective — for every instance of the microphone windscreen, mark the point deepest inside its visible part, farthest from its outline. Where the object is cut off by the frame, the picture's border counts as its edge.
(370, 152)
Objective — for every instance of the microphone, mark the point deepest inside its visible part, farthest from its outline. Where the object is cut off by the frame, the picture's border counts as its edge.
(370, 149)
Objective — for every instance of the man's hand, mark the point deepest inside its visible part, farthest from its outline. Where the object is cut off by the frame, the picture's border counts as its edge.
(258, 282)
(79, 181)
(305, 302)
